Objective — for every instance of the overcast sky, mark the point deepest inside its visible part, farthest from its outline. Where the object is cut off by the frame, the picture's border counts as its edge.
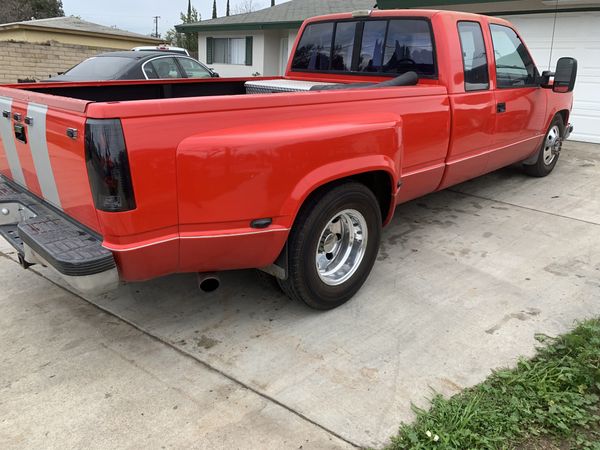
(137, 15)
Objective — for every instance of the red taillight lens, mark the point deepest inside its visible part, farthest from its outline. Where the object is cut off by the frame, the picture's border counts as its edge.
(108, 165)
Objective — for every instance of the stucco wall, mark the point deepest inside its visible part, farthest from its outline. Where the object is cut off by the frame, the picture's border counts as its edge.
(64, 37)
(236, 70)
(266, 58)
(21, 60)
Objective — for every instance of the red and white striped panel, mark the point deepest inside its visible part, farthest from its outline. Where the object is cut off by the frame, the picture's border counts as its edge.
(48, 163)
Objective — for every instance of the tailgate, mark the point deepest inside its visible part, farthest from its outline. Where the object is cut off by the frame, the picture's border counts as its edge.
(42, 150)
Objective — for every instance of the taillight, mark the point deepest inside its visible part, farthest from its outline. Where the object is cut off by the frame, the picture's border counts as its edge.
(108, 165)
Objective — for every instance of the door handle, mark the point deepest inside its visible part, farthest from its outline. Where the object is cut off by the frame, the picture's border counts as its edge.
(501, 107)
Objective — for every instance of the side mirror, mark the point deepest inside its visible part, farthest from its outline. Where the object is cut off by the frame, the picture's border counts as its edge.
(565, 75)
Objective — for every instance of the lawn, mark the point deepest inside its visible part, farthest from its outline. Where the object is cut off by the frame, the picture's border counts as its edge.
(549, 402)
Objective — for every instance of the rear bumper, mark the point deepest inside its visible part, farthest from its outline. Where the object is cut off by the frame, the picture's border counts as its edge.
(42, 235)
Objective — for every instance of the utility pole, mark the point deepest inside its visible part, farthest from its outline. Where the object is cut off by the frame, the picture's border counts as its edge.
(156, 35)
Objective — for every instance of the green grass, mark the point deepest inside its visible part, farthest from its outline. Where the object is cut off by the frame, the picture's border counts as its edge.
(549, 402)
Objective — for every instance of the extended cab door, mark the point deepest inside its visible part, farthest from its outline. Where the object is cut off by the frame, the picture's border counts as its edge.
(520, 101)
(473, 105)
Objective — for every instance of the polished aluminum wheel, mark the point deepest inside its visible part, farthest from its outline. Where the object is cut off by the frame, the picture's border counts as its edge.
(552, 145)
(341, 247)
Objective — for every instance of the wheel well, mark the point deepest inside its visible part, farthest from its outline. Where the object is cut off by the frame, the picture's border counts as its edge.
(565, 116)
(379, 182)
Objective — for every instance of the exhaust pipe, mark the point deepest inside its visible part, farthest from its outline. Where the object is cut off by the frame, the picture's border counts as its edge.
(208, 282)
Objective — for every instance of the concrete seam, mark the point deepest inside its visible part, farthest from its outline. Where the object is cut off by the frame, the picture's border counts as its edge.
(198, 360)
(524, 207)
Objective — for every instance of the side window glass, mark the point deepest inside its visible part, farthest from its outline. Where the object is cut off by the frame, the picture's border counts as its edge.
(371, 51)
(193, 69)
(166, 68)
(343, 46)
(314, 49)
(474, 56)
(514, 66)
(150, 71)
(409, 47)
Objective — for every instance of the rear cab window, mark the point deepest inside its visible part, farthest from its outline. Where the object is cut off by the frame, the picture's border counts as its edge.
(383, 47)
(474, 55)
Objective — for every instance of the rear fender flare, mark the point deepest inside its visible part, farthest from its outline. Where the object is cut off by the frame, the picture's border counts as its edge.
(340, 170)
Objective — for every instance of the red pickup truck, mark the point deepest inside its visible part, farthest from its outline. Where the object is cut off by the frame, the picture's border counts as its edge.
(295, 175)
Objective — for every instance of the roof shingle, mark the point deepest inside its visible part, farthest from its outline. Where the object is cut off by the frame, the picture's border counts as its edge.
(295, 11)
(75, 24)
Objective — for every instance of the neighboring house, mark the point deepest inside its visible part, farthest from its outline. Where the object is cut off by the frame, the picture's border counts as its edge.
(260, 42)
(37, 49)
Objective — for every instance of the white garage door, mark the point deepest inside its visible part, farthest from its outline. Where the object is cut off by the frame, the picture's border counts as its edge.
(577, 35)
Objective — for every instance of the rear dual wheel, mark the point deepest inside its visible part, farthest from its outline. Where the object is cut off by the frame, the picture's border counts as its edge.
(333, 246)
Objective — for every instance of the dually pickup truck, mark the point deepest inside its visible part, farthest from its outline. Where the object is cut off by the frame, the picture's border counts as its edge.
(294, 175)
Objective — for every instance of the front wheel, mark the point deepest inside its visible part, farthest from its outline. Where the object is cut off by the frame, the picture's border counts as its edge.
(548, 154)
(333, 246)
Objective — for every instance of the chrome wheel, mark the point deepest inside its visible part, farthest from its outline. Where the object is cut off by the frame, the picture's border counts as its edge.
(341, 247)
(552, 145)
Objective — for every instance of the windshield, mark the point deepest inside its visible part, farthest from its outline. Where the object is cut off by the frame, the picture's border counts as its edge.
(99, 68)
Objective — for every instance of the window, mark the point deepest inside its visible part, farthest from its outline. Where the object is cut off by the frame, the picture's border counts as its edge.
(162, 67)
(193, 69)
(314, 49)
(474, 56)
(371, 49)
(229, 51)
(409, 47)
(514, 66)
(375, 46)
(100, 68)
(343, 46)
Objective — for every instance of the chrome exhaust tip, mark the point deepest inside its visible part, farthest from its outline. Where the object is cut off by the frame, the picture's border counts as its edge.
(208, 282)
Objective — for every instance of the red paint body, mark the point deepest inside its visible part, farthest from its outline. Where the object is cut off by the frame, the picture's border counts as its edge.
(204, 167)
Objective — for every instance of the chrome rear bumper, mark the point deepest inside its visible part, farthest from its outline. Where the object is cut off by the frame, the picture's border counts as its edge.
(44, 235)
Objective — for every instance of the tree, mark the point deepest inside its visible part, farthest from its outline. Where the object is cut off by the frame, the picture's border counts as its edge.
(214, 14)
(20, 10)
(272, 3)
(227, 12)
(245, 6)
(189, 41)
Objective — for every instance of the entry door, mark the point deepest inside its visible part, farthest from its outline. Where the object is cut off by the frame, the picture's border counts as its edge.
(283, 56)
(520, 101)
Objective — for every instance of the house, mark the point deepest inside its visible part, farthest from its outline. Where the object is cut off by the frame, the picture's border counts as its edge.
(260, 42)
(37, 49)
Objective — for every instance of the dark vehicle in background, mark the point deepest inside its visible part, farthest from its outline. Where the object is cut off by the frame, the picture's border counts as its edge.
(134, 65)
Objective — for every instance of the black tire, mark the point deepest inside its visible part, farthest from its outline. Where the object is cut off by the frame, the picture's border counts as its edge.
(304, 282)
(542, 167)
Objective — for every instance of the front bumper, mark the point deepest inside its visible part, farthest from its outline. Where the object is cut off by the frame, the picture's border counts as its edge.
(43, 235)
(568, 131)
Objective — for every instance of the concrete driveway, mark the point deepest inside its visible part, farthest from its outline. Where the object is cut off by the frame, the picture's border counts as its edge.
(465, 279)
